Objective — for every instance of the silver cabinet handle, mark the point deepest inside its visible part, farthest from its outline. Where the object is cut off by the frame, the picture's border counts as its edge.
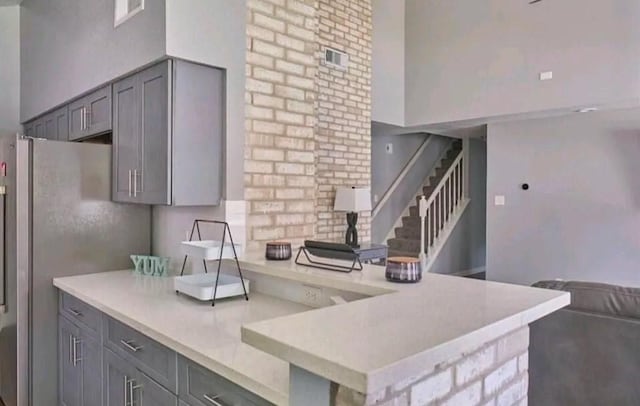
(126, 391)
(70, 349)
(75, 358)
(213, 400)
(135, 183)
(130, 182)
(75, 312)
(131, 345)
(132, 391)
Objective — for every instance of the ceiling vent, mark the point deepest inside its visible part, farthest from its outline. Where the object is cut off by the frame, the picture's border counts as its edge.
(336, 59)
(125, 9)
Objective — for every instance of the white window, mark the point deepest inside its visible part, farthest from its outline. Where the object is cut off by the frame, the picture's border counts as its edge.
(125, 9)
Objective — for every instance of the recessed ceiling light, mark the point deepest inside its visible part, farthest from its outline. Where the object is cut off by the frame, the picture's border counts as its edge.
(587, 110)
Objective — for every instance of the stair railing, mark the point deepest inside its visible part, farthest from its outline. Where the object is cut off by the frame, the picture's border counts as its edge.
(435, 212)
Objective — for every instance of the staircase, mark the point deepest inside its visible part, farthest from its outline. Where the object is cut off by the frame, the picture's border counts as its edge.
(446, 200)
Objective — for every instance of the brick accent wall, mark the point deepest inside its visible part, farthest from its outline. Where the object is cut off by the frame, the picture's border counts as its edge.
(494, 375)
(307, 125)
(344, 112)
(280, 170)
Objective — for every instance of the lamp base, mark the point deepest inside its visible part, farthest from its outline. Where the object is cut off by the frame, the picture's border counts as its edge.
(351, 238)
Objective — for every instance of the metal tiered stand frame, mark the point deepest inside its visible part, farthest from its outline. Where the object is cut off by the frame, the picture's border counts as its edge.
(226, 231)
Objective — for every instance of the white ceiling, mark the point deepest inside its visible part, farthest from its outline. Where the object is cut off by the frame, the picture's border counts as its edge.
(9, 2)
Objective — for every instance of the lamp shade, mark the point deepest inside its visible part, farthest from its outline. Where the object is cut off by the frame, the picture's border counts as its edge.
(352, 200)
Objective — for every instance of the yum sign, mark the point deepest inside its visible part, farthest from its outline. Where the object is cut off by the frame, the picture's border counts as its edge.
(150, 265)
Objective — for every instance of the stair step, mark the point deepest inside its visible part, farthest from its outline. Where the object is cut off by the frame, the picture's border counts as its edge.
(404, 244)
(396, 253)
(408, 233)
(411, 221)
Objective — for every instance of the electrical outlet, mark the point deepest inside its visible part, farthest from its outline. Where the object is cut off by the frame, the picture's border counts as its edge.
(312, 296)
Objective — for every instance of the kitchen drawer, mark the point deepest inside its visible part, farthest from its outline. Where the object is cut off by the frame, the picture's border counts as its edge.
(152, 358)
(78, 311)
(200, 387)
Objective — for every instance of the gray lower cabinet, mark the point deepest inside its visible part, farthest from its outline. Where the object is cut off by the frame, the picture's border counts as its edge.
(105, 362)
(168, 123)
(200, 387)
(125, 385)
(90, 115)
(80, 365)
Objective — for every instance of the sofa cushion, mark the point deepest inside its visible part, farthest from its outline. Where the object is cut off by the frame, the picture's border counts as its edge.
(600, 298)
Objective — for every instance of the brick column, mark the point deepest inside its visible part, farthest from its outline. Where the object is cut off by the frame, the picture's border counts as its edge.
(280, 95)
(308, 125)
(343, 133)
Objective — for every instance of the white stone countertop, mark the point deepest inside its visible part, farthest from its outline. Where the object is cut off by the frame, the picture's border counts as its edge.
(404, 330)
(207, 335)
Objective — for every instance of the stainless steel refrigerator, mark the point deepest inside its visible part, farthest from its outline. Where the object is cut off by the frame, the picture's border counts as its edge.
(56, 219)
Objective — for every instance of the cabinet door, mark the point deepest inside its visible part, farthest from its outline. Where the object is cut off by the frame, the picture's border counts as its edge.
(61, 118)
(117, 380)
(29, 130)
(150, 393)
(39, 128)
(69, 374)
(56, 125)
(98, 105)
(126, 138)
(77, 120)
(91, 369)
(50, 129)
(154, 175)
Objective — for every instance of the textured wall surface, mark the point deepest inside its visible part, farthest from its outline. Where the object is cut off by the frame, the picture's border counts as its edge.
(494, 375)
(280, 106)
(308, 125)
(344, 112)
(580, 218)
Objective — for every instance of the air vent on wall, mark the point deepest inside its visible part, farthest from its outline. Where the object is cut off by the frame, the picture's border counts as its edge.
(335, 58)
(125, 9)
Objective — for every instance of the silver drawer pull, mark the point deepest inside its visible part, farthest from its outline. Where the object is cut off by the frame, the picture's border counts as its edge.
(131, 345)
(75, 312)
(213, 400)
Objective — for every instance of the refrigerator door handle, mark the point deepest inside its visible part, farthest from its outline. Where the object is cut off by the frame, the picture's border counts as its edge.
(130, 171)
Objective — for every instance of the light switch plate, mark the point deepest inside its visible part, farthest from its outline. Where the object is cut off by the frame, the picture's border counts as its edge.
(499, 200)
(546, 75)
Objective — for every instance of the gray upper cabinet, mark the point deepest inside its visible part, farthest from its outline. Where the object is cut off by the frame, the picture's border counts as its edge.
(168, 123)
(56, 125)
(90, 115)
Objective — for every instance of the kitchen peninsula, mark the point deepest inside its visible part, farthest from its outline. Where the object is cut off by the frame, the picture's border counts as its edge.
(445, 339)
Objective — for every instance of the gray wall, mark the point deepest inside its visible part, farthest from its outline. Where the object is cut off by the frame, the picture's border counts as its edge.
(482, 58)
(465, 250)
(69, 47)
(9, 70)
(211, 34)
(581, 217)
(385, 169)
(387, 58)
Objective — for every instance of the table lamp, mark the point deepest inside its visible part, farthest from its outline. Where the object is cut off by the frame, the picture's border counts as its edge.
(352, 201)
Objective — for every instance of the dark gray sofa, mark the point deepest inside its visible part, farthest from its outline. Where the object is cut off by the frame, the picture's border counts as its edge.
(588, 353)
